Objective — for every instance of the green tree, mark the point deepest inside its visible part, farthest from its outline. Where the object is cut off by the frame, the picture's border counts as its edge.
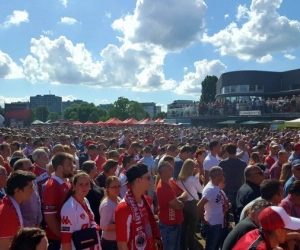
(42, 113)
(136, 111)
(53, 116)
(120, 109)
(209, 88)
(161, 115)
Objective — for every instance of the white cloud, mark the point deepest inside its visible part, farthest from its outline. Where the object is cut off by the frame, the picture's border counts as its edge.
(64, 3)
(164, 107)
(171, 24)
(185, 69)
(242, 12)
(17, 17)
(226, 16)
(191, 84)
(264, 32)
(264, 59)
(68, 20)
(289, 56)
(8, 68)
(69, 98)
(48, 32)
(107, 14)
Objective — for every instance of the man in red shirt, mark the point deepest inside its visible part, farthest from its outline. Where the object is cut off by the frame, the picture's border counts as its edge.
(19, 188)
(54, 195)
(41, 160)
(170, 199)
(133, 150)
(5, 153)
(275, 224)
(101, 157)
(136, 227)
(272, 157)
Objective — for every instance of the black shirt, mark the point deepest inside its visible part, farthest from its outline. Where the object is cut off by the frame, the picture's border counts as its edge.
(243, 227)
(94, 197)
(233, 169)
(101, 179)
(247, 193)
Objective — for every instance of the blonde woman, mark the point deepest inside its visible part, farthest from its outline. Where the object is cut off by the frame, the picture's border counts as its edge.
(107, 210)
(286, 172)
(192, 186)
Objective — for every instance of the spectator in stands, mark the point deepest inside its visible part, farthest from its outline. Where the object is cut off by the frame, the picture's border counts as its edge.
(286, 172)
(41, 159)
(128, 161)
(3, 180)
(296, 154)
(101, 157)
(294, 177)
(211, 159)
(184, 154)
(272, 157)
(276, 168)
(109, 169)
(19, 189)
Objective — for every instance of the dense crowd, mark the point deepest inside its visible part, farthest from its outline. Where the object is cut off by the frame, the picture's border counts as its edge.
(67, 187)
(228, 107)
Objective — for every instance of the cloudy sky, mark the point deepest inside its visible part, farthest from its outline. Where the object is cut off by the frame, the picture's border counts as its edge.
(145, 50)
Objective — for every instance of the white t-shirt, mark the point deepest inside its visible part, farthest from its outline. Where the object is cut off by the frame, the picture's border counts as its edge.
(124, 188)
(245, 157)
(193, 186)
(75, 218)
(213, 208)
(209, 162)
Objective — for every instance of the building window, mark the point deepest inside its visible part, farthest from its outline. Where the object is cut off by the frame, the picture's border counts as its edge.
(233, 89)
(252, 88)
(260, 88)
(243, 88)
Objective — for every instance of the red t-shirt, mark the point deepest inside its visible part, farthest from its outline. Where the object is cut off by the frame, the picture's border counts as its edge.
(166, 193)
(124, 232)
(9, 221)
(54, 196)
(99, 162)
(42, 176)
(251, 239)
(7, 167)
(269, 161)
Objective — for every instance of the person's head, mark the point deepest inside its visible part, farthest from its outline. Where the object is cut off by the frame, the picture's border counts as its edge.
(272, 190)
(102, 149)
(63, 139)
(254, 174)
(138, 177)
(185, 153)
(90, 168)
(18, 153)
(80, 184)
(134, 148)
(187, 170)
(261, 149)
(230, 149)
(40, 157)
(110, 167)
(170, 159)
(58, 148)
(113, 154)
(29, 141)
(63, 164)
(19, 185)
(113, 186)
(296, 149)
(91, 149)
(15, 146)
(165, 170)
(3, 177)
(276, 223)
(286, 172)
(5, 150)
(274, 149)
(256, 209)
(283, 156)
(172, 150)
(214, 147)
(113, 143)
(128, 161)
(296, 168)
(216, 174)
(254, 158)
(29, 238)
(200, 155)
(294, 191)
(37, 143)
(147, 151)
(23, 164)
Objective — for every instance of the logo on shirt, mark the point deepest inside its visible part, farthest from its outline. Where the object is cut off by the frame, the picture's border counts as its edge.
(82, 216)
(50, 207)
(65, 229)
(218, 198)
(65, 220)
(140, 240)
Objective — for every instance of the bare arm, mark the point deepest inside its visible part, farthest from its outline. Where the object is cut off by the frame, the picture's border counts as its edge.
(122, 245)
(200, 207)
(183, 197)
(53, 223)
(66, 246)
(4, 243)
(176, 204)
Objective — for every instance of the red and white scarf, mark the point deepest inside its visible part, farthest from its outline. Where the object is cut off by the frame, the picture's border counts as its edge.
(138, 236)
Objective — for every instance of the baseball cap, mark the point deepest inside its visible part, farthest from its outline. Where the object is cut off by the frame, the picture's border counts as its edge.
(295, 163)
(136, 171)
(272, 218)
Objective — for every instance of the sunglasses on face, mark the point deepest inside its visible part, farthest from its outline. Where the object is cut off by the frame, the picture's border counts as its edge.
(259, 173)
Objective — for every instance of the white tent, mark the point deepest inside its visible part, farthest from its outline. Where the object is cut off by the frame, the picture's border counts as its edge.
(293, 123)
(37, 122)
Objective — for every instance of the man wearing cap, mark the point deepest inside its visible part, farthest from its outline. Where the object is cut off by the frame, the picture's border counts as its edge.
(296, 154)
(294, 177)
(275, 225)
(136, 227)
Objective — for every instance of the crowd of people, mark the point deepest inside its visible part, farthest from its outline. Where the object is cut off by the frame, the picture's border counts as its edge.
(233, 107)
(67, 187)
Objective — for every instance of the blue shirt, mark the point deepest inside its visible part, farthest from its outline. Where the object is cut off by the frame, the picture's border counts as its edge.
(287, 186)
(148, 160)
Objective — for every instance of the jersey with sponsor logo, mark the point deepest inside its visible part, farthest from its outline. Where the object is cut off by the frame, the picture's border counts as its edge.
(74, 217)
(54, 195)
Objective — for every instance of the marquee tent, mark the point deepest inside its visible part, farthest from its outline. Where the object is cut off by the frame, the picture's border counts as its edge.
(293, 123)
